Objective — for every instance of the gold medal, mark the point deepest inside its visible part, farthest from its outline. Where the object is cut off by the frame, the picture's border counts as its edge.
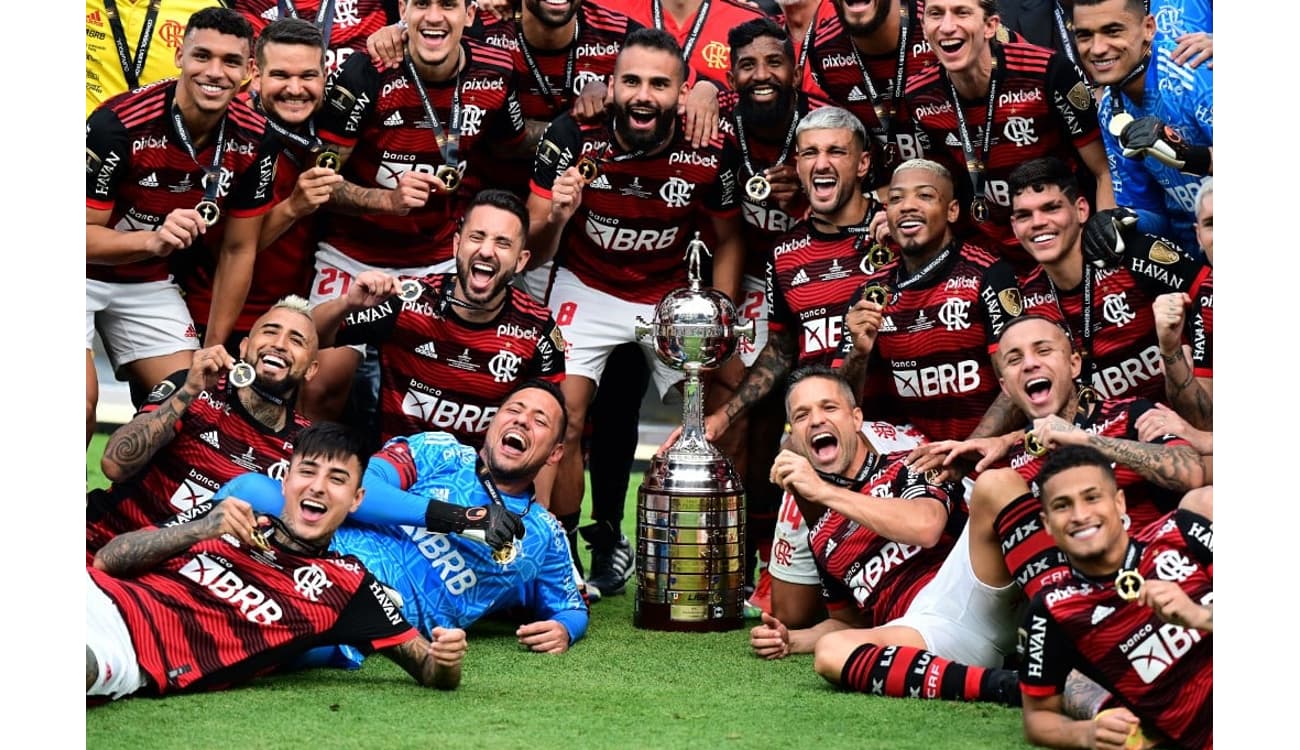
(409, 290)
(1034, 446)
(979, 209)
(329, 160)
(876, 293)
(1118, 123)
(758, 187)
(879, 256)
(1127, 584)
(209, 210)
(505, 555)
(242, 375)
(588, 169)
(449, 175)
(1088, 396)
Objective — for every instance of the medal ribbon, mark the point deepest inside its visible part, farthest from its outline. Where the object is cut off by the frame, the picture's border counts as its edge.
(132, 70)
(974, 163)
(543, 87)
(1088, 280)
(324, 17)
(657, 9)
(1130, 564)
(785, 147)
(310, 142)
(1117, 90)
(212, 174)
(885, 110)
(1063, 31)
(856, 483)
(490, 487)
(448, 143)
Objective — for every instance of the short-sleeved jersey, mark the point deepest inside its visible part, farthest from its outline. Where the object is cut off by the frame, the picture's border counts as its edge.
(629, 236)
(440, 576)
(859, 566)
(104, 75)
(284, 267)
(1162, 672)
(564, 73)
(839, 68)
(706, 50)
(937, 338)
(1182, 98)
(440, 372)
(353, 21)
(764, 220)
(1042, 108)
(811, 278)
(381, 117)
(137, 169)
(221, 613)
(216, 440)
(1125, 356)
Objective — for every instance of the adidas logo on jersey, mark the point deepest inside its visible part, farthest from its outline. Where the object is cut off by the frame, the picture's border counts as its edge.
(1101, 613)
(426, 349)
(856, 95)
(190, 333)
(952, 140)
(799, 278)
(149, 180)
(272, 13)
(394, 120)
(95, 19)
(210, 437)
(601, 183)
(887, 325)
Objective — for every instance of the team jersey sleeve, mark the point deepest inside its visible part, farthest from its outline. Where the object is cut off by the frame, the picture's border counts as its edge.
(554, 594)
(108, 157)
(265, 494)
(254, 191)
(910, 485)
(1072, 101)
(721, 196)
(1200, 328)
(372, 325)
(779, 316)
(507, 126)
(162, 393)
(1048, 654)
(1001, 301)
(371, 621)
(351, 97)
(1161, 265)
(548, 358)
(558, 149)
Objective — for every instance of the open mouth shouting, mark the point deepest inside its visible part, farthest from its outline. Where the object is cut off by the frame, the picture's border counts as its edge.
(1038, 392)
(825, 447)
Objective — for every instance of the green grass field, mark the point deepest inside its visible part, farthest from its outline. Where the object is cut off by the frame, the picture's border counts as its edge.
(619, 687)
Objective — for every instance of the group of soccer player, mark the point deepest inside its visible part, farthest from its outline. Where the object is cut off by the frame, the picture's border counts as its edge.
(980, 269)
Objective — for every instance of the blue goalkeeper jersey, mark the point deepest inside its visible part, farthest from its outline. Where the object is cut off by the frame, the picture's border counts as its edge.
(1183, 99)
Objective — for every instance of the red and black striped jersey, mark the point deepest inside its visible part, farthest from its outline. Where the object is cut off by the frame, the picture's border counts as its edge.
(880, 576)
(1042, 108)
(353, 22)
(382, 118)
(629, 235)
(220, 613)
(1123, 359)
(438, 372)
(550, 89)
(1164, 673)
(708, 55)
(936, 341)
(840, 69)
(811, 278)
(764, 220)
(138, 169)
(216, 440)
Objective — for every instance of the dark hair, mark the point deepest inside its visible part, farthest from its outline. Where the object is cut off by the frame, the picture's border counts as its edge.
(289, 31)
(1139, 8)
(222, 21)
(656, 39)
(1072, 457)
(551, 388)
(819, 371)
(1040, 174)
(745, 34)
(502, 199)
(332, 440)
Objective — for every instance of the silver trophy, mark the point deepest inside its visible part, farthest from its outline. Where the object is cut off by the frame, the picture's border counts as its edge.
(691, 505)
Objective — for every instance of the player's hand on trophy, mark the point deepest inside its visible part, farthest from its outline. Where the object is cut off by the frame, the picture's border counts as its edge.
(699, 112)
(1148, 136)
(1103, 236)
(715, 425)
(771, 639)
(387, 46)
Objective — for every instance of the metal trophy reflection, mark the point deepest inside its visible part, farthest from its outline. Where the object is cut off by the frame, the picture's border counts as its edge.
(691, 505)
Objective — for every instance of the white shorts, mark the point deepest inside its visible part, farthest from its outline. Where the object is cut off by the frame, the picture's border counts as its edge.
(138, 320)
(537, 282)
(593, 323)
(335, 272)
(110, 642)
(792, 559)
(753, 307)
(962, 618)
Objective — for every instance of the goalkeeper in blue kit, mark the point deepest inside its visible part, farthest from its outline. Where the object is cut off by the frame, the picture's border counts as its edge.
(506, 552)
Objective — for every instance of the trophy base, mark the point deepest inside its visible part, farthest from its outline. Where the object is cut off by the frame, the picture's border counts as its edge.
(690, 545)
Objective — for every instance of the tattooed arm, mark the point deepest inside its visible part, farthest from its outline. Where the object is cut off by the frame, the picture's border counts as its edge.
(433, 663)
(768, 370)
(1172, 466)
(1189, 395)
(134, 444)
(139, 550)
(1083, 697)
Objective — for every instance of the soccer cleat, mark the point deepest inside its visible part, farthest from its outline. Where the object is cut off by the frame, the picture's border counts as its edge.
(612, 559)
